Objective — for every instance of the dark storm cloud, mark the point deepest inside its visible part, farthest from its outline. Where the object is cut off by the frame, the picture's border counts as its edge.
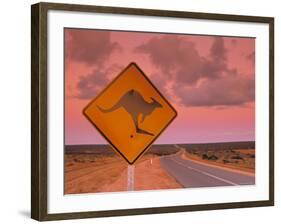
(236, 90)
(91, 84)
(181, 58)
(199, 80)
(89, 47)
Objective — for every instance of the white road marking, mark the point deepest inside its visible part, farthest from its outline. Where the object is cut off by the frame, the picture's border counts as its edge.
(246, 183)
(206, 173)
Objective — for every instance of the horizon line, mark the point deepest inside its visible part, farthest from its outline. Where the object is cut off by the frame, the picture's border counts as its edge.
(176, 143)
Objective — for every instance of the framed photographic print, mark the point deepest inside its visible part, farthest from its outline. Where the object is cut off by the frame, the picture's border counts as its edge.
(139, 111)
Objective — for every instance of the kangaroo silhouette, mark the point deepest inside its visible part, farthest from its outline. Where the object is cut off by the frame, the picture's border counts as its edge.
(134, 103)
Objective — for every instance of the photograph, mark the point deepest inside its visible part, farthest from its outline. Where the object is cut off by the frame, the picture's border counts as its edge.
(170, 110)
(145, 111)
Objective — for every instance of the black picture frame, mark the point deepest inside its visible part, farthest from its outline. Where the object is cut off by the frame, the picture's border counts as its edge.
(39, 107)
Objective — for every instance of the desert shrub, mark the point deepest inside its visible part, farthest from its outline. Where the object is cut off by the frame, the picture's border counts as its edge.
(79, 160)
(225, 161)
(205, 156)
(213, 157)
(237, 157)
(161, 153)
(252, 156)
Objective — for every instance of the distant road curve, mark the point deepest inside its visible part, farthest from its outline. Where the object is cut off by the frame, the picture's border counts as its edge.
(192, 174)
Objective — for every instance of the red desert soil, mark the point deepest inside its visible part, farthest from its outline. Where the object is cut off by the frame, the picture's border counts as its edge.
(91, 174)
(219, 164)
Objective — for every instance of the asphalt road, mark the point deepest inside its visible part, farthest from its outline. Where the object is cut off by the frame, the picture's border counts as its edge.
(192, 174)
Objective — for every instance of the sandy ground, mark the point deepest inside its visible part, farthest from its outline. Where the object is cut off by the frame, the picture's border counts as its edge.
(147, 177)
(89, 174)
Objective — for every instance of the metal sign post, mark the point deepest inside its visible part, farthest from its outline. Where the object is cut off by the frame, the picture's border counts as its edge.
(131, 177)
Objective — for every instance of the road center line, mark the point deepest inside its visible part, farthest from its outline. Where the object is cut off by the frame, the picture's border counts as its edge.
(205, 173)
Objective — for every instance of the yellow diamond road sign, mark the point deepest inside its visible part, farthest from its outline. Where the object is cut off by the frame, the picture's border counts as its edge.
(130, 113)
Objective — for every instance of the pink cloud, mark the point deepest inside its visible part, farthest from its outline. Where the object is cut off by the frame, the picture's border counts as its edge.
(199, 80)
(88, 47)
(233, 90)
(91, 84)
(93, 49)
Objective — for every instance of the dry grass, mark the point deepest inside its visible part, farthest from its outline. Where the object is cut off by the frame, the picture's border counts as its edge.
(86, 173)
(239, 159)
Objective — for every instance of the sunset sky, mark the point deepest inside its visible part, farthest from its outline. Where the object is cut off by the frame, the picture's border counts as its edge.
(210, 81)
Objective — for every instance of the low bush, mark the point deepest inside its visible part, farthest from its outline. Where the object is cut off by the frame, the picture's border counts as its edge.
(205, 156)
(237, 157)
(212, 157)
(225, 161)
